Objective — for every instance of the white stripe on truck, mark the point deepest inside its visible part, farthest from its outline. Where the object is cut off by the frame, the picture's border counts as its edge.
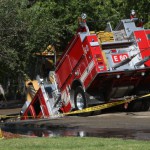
(87, 71)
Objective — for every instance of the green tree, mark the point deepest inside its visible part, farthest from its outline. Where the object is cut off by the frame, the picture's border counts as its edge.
(29, 26)
(12, 47)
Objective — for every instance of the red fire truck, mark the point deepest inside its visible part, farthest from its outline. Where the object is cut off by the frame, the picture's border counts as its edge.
(100, 67)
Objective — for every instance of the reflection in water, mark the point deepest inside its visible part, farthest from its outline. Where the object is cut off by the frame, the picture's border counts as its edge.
(47, 133)
(77, 132)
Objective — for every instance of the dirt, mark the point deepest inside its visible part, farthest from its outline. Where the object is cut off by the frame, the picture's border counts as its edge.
(8, 135)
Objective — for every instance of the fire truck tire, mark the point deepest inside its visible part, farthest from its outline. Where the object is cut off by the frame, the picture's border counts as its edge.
(81, 101)
(145, 105)
(79, 98)
(135, 106)
(139, 105)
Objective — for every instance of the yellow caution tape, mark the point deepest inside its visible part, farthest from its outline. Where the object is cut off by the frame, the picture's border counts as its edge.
(6, 116)
(104, 106)
(98, 107)
(86, 110)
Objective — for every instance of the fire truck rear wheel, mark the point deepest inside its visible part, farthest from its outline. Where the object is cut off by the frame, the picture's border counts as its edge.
(79, 98)
(139, 105)
(145, 105)
(135, 106)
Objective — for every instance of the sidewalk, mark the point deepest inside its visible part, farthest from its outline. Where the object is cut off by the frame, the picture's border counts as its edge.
(10, 107)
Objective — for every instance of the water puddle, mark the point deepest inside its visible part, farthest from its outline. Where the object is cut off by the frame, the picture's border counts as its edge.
(78, 132)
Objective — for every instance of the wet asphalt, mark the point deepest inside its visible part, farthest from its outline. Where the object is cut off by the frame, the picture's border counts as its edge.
(125, 125)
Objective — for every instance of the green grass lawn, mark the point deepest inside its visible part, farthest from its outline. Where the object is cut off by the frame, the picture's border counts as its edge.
(72, 143)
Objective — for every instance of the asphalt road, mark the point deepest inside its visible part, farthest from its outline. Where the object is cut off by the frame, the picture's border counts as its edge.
(126, 125)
